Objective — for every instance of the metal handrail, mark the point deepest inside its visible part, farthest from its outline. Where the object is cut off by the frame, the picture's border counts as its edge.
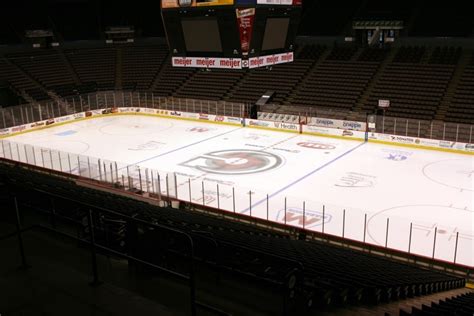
(190, 278)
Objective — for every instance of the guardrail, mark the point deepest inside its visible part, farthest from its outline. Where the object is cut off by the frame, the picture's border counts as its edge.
(386, 124)
(30, 113)
(95, 247)
(96, 214)
(425, 129)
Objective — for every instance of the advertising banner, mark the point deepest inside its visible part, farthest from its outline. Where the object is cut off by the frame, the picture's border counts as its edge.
(280, 2)
(422, 142)
(257, 123)
(345, 133)
(232, 120)
(287, 126)
(5, 131)
(351, 125)
(269, 60)
(170, 4)
(64, 118)
(207, 62)
(80, 115)
(232, 63)
(273, 125)
(245, 21)
(19, 128)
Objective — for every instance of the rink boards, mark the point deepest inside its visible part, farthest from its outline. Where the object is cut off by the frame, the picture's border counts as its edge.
(311, 182)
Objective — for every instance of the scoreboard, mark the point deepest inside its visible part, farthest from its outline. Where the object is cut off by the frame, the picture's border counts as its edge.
(231, 34)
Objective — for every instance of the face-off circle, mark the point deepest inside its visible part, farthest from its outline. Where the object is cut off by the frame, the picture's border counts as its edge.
(453, 173)
(425, 219)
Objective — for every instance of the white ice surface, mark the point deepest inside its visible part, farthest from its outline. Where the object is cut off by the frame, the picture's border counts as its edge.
(427, 189)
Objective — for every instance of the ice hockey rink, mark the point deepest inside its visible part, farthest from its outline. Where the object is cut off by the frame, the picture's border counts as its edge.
(342, 187)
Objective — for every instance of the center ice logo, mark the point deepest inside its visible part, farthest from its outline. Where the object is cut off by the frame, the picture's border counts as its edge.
(234, 162)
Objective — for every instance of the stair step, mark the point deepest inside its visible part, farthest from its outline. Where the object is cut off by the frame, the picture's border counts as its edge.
(362, 103)
(69, 66)
(450, 92)
(118, 68)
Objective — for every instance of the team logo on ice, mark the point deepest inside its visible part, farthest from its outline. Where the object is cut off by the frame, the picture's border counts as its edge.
(198, 130)
(356, 180)
(316, 145)
(254, 136)
(235, 162)
(151, 145)
(397, 155)
(295, 216)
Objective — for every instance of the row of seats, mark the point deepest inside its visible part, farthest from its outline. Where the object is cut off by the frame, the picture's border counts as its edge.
(445, 55)
(311, 51)
(335, 83)
(170, 79)
(209, 85)
(440, 55)
(282, 79)
(414, 91)
(331, 273)
(373, 54)
(342, 52)
(94, 65)
(141, 64)
(461, 109)
(45, 66)
(410, 54)
(461, 305)
(347, 78)
(17, 80)
(66, 90)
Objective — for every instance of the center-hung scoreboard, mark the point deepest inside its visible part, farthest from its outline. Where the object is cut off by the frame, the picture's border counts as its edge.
(231, 34)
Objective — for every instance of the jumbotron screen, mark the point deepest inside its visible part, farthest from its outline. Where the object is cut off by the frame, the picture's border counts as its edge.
(275, 33)
(231, 34)
(201, 35)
